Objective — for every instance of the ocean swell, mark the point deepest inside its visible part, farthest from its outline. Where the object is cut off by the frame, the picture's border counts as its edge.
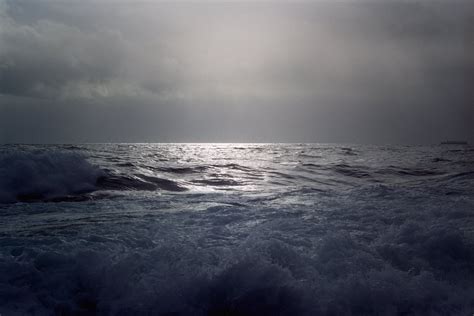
(258, 231)
(138, 182)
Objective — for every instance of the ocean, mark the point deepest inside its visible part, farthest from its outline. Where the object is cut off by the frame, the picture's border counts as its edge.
(236, 229)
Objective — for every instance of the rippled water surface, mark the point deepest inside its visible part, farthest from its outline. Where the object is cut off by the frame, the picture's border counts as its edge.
(236, 229)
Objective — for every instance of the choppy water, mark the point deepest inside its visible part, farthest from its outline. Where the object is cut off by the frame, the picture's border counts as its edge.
(236, 229)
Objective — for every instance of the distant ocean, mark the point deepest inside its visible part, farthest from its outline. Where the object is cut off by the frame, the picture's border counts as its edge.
(236, 229)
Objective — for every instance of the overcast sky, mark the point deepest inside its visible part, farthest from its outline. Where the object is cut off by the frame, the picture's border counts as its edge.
(151, 71)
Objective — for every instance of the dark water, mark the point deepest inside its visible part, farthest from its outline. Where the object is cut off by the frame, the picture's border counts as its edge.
(236, 229)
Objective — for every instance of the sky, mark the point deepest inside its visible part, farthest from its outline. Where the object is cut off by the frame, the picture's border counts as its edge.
(353, 71)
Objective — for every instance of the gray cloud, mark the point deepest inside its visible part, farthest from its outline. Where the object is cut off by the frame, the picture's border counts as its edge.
(360, 71)
(45, 58)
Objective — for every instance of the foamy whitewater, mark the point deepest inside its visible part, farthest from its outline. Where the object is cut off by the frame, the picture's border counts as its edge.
(236, 229)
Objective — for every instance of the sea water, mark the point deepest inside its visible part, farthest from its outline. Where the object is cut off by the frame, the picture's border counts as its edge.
(236, 229)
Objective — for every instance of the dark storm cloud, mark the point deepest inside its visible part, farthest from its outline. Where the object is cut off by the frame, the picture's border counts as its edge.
(366, 71)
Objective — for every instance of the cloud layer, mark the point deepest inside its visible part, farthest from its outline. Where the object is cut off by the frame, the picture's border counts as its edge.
(255, 71)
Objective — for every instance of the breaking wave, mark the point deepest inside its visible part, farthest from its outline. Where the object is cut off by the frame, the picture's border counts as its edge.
(33, 176)
(56, 176)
